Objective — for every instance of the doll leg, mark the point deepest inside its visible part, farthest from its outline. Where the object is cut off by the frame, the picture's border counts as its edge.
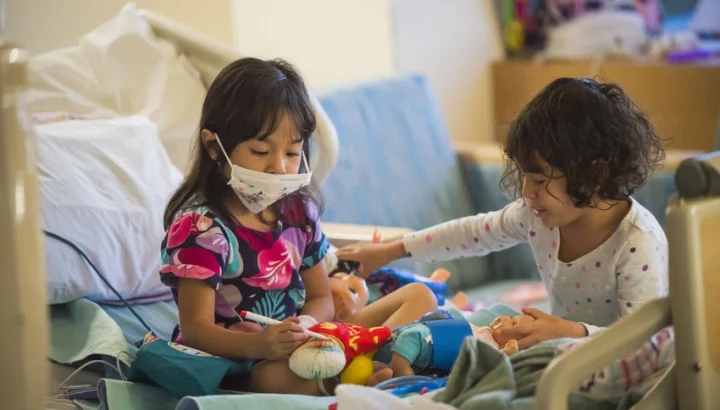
(440, 275)
(401, 307)
(401, 366)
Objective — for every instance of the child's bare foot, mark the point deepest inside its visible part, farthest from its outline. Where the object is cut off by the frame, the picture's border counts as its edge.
(380, 376)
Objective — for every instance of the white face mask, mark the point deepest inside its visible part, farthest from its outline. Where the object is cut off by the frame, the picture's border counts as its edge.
(259, 190)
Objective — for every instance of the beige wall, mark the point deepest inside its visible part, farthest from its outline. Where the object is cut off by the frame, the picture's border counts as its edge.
(42, 25)
(330, 41)
(452, 42)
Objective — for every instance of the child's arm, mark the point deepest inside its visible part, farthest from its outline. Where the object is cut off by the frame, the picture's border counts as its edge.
(471, 236)
(197, 321)
(318, 300)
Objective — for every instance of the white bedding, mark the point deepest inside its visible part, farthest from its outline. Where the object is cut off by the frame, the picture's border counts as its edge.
(104, 186)
(122, 69)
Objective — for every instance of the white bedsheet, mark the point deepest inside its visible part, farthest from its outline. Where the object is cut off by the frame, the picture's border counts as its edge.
(122, 69)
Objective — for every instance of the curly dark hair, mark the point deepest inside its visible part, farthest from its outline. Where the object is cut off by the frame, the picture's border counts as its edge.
(589, 132)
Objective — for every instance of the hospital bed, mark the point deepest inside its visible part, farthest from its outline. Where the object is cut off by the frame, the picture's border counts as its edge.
(692, 224)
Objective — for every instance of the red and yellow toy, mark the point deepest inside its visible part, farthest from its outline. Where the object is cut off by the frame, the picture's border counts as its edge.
(348, 353)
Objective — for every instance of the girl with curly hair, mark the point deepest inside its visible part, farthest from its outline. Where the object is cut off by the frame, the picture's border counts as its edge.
(575, 155)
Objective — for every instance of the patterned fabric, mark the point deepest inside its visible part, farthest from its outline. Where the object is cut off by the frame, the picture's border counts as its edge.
(627, 270)
(638, 370)
(356, 340)
(250, 270)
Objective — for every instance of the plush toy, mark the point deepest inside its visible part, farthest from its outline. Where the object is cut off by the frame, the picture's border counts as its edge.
(432, 344)
(349, 293)
(348, 352)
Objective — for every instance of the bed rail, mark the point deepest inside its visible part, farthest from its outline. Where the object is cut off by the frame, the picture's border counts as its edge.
(620, 339)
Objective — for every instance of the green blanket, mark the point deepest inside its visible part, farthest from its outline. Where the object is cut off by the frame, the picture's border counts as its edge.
(484, 378)
(81, 329)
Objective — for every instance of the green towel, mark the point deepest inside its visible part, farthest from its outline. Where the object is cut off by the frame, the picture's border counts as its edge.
(80, 329)
(484, 378)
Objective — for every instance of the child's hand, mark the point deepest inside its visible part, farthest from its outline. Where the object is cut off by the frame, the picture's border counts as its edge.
(279, 341)
(545, 327)
(372, 256)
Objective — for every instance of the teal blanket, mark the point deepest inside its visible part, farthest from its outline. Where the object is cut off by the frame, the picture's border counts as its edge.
(82, 330)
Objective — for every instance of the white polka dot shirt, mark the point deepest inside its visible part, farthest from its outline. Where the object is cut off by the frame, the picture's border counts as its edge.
(627, 270)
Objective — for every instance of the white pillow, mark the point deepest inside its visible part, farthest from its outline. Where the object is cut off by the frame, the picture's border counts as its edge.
(121, 69)
(104, 185)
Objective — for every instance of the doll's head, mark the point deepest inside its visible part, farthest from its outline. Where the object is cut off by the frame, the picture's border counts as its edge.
(503, 322)
(349, 293)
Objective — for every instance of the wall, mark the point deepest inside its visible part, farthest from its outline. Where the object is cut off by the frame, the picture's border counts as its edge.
(453, 43)
(42, 25)
(330, 41)
(335, 42)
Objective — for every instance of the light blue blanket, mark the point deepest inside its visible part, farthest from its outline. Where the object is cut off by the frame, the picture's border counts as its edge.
(82, 329)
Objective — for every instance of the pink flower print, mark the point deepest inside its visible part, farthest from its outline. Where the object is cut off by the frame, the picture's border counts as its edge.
(192, 263)
(186, 225)
(276, 267)
(256, 240)
(180, 230)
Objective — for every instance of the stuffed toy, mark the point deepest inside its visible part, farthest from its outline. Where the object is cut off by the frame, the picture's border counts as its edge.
(347, 354)
(349, 293)
(431, 345)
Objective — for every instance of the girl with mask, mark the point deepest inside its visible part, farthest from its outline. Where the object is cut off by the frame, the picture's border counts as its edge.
(243, 232)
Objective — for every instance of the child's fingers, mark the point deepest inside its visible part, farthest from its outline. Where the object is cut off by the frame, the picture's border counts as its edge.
(289, 338)
(292, 319)
(376, 238)
(289, 327)
(536, 313)
(526, 342)
(515, 332)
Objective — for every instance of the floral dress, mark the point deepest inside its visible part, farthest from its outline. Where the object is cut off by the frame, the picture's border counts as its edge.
(249, 270)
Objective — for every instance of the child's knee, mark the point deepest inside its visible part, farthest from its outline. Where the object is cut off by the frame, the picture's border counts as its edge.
(421, 294)
(276, 377)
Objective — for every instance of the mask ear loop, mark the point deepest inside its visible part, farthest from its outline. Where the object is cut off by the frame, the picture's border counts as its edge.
(304, 159)
(222, 148)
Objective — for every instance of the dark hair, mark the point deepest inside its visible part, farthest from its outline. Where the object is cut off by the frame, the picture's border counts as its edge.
(247, 100)
(591, 132)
